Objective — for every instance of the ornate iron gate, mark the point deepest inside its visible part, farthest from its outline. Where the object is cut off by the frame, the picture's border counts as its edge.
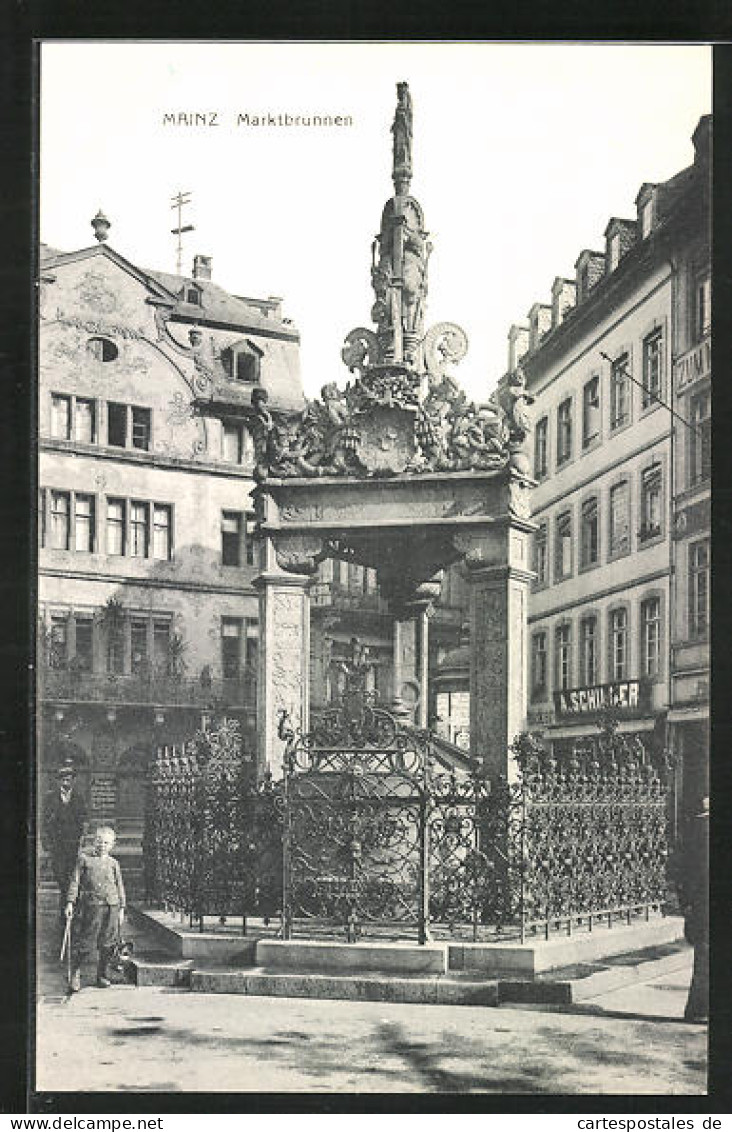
(355, 838)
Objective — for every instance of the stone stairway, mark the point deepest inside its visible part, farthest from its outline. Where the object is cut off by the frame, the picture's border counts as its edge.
(438, 974)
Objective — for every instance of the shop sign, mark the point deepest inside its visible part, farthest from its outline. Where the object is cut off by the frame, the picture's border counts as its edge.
(624, 696)
(693, 365)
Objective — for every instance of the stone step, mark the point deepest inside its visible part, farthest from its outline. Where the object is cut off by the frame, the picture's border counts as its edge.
(372, 987)
(453, 989)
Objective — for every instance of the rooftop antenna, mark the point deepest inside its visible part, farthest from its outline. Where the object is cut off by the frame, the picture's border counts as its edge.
(180, 201)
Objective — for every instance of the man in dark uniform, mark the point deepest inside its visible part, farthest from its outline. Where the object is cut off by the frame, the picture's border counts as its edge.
(62, 827)
(695, 903)
(96, 884)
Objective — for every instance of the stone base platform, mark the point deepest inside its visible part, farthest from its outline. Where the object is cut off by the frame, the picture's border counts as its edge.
(559, 971)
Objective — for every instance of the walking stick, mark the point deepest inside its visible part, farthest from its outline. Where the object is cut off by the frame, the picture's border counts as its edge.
(65, 949)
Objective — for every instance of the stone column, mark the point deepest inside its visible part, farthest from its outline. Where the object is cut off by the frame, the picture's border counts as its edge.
(284, 650)
(499, 644)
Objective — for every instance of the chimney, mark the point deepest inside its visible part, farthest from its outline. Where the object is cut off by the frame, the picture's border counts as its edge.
(540, 321)
(518, 344)
(202, 266)
(590, 267)
(702, 139)
(564, 296)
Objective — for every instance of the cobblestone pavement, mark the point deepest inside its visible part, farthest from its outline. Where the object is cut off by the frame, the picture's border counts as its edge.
(157, 1039)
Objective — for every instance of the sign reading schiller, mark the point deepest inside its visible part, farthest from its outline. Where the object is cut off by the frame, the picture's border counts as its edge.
(580, 701)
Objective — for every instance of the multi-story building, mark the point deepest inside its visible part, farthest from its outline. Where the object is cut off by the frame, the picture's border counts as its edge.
(619, 608)
(691, 378)
(148, 619)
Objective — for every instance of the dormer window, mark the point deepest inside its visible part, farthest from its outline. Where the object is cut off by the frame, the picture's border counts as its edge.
(193, 295)
(247, 366)
(646, 218)
(242, 361)
(614, 250)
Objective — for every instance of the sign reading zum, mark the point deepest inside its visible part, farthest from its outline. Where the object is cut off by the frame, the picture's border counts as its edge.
(693, 365)
(625, 694)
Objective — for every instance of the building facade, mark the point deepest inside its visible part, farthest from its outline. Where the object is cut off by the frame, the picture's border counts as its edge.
(147, 612)
(619, 609)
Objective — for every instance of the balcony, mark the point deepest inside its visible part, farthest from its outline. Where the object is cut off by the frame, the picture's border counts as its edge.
(70, 686)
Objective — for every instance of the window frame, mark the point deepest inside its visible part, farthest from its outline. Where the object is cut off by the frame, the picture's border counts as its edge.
(700, 438)
(66, 400)
(649, 535)
(232, 542)
(238, 623)
(589, 617)
(565, 457)
(586, 563)
(614, 553)
(562, 627)
(564, 518)
(539, 688)
(649, 400)
(541, 448)
(619, 379)
(56, 495)
(613, 635)
(590, 442)
(695, 574)
(643, 622)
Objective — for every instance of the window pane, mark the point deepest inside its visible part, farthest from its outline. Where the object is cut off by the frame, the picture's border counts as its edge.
(250, 544)
(138, 642)
(60, 512)
(115, 526)
(84, 644)
(699, 589)
(232, 443)
(84, 523)
(246, 367)
(591, 411)
(619, 519)
(651, 636)
(652, 353)
(540, 448)
(161, 647)
(564, 431)
(60, 416)
(619, 393)
(619, 643)
(700, 438)
(58, 642)
(141, 428)
(116, 424)
(590, 533)
(231, 538)
(589, 650)
(84, 423)
(139, 518)
(162, 542)
(230, 647)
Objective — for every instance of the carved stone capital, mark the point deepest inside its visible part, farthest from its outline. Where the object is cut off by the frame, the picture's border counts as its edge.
(298, 554)
(480, 549)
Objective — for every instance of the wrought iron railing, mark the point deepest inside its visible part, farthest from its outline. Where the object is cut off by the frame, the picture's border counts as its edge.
(213, 841)
(93, 687)
(366, 834)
